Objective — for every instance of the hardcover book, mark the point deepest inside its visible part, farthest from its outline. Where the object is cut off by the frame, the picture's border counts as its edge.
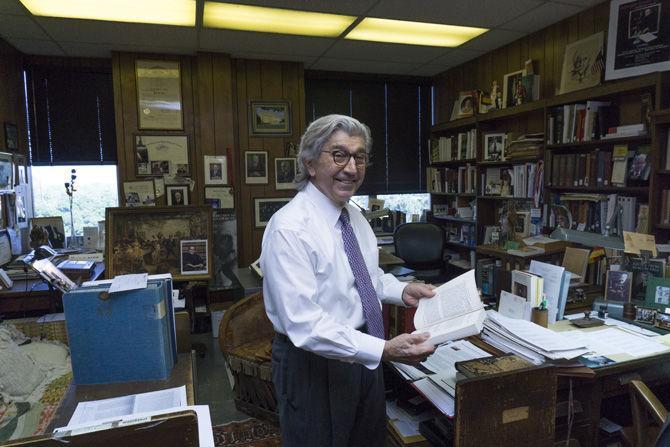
(491, 365)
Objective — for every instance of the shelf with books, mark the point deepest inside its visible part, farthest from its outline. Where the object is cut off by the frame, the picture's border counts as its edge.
(580, 145)
(512, 112)
(456, 124)
(508, 162)
(635, 190)
(444, 164)
(456, 244)
(503, 198)
(455, 194)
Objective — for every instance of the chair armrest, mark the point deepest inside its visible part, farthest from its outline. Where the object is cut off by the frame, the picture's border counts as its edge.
(643, 396)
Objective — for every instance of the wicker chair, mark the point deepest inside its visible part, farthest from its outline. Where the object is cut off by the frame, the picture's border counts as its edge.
(245, 339)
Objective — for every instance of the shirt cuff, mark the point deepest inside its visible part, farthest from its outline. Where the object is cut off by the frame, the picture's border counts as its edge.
(370, 350)
(393, 293)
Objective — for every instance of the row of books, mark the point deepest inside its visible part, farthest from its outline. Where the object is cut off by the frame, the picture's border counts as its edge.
(621, 167)
(461, 234)
(458, 147)
(594, 212)
(453, 180)
(522, 180)
(588, 121)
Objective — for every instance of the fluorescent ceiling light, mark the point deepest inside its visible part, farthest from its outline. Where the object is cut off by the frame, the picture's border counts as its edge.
(413, 33)
(160, 12)
(273, 20)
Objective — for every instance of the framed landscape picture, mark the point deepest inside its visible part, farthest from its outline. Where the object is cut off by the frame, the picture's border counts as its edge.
(269, 118)
(140, 240)
(266, 207)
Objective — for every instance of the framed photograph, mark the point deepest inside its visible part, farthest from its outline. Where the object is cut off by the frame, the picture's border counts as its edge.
(583, 63)
(149, 239)
(20, 171)
(194, 257)
(662, 320)
(264, 209)
(494, 146)
(269, 118)
(11, 137)
(177, 195)
(141, 193)
(618, 286)
(6, 171)
(658, 293)
(256, 167)
(645, 314)
(466, 104)
(216, 170)
(638, 39)
(219, 197)
(522, 223)
(157, 155)
(285, 171)
(159, 104)
(511, 87)
(54, 228)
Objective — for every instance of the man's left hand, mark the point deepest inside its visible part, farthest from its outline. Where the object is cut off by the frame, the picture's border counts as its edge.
(414, 291)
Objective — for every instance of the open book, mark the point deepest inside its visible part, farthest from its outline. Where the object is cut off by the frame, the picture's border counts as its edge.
(456, 311)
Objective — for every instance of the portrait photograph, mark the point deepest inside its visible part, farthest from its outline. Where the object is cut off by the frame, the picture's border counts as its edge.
(265, 208)
(194, 257)
(466, 104)
(216, 170)
(618, 286)
(494, 146)
(256, 167)
(224, 250)
(285, 170)
(269, 118)
(176, 195)
(54, 228)
(149, 240)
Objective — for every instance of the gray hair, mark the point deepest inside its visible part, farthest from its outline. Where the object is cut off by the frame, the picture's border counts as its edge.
(317, 135)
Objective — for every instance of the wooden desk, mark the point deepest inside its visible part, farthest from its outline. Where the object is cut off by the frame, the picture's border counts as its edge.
(183, 373)
(387, 259)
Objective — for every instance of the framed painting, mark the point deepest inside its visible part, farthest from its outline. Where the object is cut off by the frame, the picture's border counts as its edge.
(269, 118)
(149, 240)
(11, 137)
(264, 209)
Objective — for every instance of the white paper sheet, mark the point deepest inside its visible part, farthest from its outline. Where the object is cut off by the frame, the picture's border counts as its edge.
(616, 341)
(514, 306)
(442, 401)
(123, 283)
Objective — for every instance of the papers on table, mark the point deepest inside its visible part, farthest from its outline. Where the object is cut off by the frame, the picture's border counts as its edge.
(613, 340)
(514, 306)
(442, 401)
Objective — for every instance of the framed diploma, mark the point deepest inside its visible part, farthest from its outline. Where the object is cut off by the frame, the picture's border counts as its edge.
(159, 104)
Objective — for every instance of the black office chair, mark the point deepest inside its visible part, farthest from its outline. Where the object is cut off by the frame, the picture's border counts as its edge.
(421, 246)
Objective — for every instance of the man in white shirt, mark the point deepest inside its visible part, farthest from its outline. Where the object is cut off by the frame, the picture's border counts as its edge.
(322, 287)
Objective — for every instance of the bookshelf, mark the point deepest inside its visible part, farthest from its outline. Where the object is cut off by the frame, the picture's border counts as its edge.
(660, 181)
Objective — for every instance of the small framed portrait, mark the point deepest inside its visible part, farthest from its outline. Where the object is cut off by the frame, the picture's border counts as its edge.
(618, 286)
(522, 223)
(494, 146)
(511, 85)
(269, 118)
(264, 209)
(11, 137)
(466, 104)
(6, 171)
(194, 257)
(219, 197)
(645, 314)
(177, 195)
(256, 167)
(658, 292)
(216, 170)
(285, 170)
(662, 320)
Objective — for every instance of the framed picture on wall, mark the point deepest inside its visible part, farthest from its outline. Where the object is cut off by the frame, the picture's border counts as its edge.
(141, 193)
(269, 118)
(159, 103)
(194, 257)
(158, 155)
(511, 83)
(11, 137)
(583, 63)
(264, 209)
(256, 167)
(176, 195)
(219, 197)
(6, 171)
(285, 170)
(216, 170)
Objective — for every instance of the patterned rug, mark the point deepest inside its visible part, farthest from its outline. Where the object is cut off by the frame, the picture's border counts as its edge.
(248, 433)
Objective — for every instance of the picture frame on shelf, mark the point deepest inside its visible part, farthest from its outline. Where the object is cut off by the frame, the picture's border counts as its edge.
(511, 82)
(494, 146)
(269, 118)
(160, 154)
(466, 104)
(285, 171)
(11, 137)
(216, 170)
(159, 101)
(176, 195)
(583, 63)
(522, 224)
(618, 286)
(129, 227)
(256, 167)
(6, 171)
(54, 227)
(265, 207)
(645, 314)
(662, 320)
(657, 293)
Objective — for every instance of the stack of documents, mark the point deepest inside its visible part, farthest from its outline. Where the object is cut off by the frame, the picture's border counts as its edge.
(528, 340)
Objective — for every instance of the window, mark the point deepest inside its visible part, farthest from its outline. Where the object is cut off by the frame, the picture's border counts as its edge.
(96, 189)
(407, 203)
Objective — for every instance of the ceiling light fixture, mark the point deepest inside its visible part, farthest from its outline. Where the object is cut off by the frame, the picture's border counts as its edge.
(159, 12)
(274, 20)
(413, 33)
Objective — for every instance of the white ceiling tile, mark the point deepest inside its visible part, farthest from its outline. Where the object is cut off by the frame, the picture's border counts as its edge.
(12, 7)
(492, 39)
(455, 57)
(39, 47)
(541, 17)
(104, 50)
(427, 70)
(230, 41)
(12, 25)
(361, 50)
(481, 13)
(347, 7)
(352, 65)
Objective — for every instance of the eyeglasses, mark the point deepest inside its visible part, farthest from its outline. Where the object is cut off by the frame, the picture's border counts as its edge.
(341, 158)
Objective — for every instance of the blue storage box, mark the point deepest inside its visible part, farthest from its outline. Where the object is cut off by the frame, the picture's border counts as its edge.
(130, 336)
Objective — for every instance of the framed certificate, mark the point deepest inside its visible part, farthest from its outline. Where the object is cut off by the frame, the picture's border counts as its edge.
(159, 104)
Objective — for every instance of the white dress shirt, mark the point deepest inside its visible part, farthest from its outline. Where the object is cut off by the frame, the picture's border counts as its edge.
(308, 285)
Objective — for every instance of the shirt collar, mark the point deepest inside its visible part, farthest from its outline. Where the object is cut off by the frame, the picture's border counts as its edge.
(331, 212)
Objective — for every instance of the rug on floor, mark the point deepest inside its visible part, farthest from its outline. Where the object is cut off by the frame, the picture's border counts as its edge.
(248, 433)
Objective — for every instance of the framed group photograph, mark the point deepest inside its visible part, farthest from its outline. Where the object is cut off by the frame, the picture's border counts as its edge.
(219, 197)
(158, 155)
(662, 320)
(11, 137)
(264, 209)
(285, 171)
(55, 230)
(140, 193)
(494, 146)
(618, 286)
(159, 102)
(583, 63)
(140, 240)
(216, 170)
(194, 257)
(657, 293)
(176, 195)
(269, 118)
(256, 167)
(645, 314)
(638, 39)
(511, 85)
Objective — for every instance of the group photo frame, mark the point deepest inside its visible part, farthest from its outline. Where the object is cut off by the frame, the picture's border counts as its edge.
(161, 154)
(270, 118)
(265, 207)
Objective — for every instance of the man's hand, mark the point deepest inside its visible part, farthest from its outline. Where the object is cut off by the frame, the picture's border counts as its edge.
(407, 348)
(414, 291)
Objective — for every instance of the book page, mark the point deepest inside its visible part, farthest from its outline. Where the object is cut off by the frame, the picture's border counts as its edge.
(452, 299)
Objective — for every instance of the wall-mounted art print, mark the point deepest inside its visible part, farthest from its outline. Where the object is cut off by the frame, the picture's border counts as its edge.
(269, 118)
(583, 63)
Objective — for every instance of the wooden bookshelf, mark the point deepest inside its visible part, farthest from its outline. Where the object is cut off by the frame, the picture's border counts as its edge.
(580, 145)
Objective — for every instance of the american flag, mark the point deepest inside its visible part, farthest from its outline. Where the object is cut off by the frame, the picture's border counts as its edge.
(599, 63)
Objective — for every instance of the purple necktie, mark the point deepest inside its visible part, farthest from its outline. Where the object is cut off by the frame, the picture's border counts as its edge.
(371, 309)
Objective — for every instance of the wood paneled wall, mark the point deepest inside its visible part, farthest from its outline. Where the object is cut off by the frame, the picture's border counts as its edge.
(215, 95)
(545, 47)
(11, 95)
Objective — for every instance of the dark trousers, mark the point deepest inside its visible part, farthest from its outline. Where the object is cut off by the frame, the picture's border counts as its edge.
(326, 403)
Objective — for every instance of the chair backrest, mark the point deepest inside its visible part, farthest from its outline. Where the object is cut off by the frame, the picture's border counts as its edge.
(419, 244)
